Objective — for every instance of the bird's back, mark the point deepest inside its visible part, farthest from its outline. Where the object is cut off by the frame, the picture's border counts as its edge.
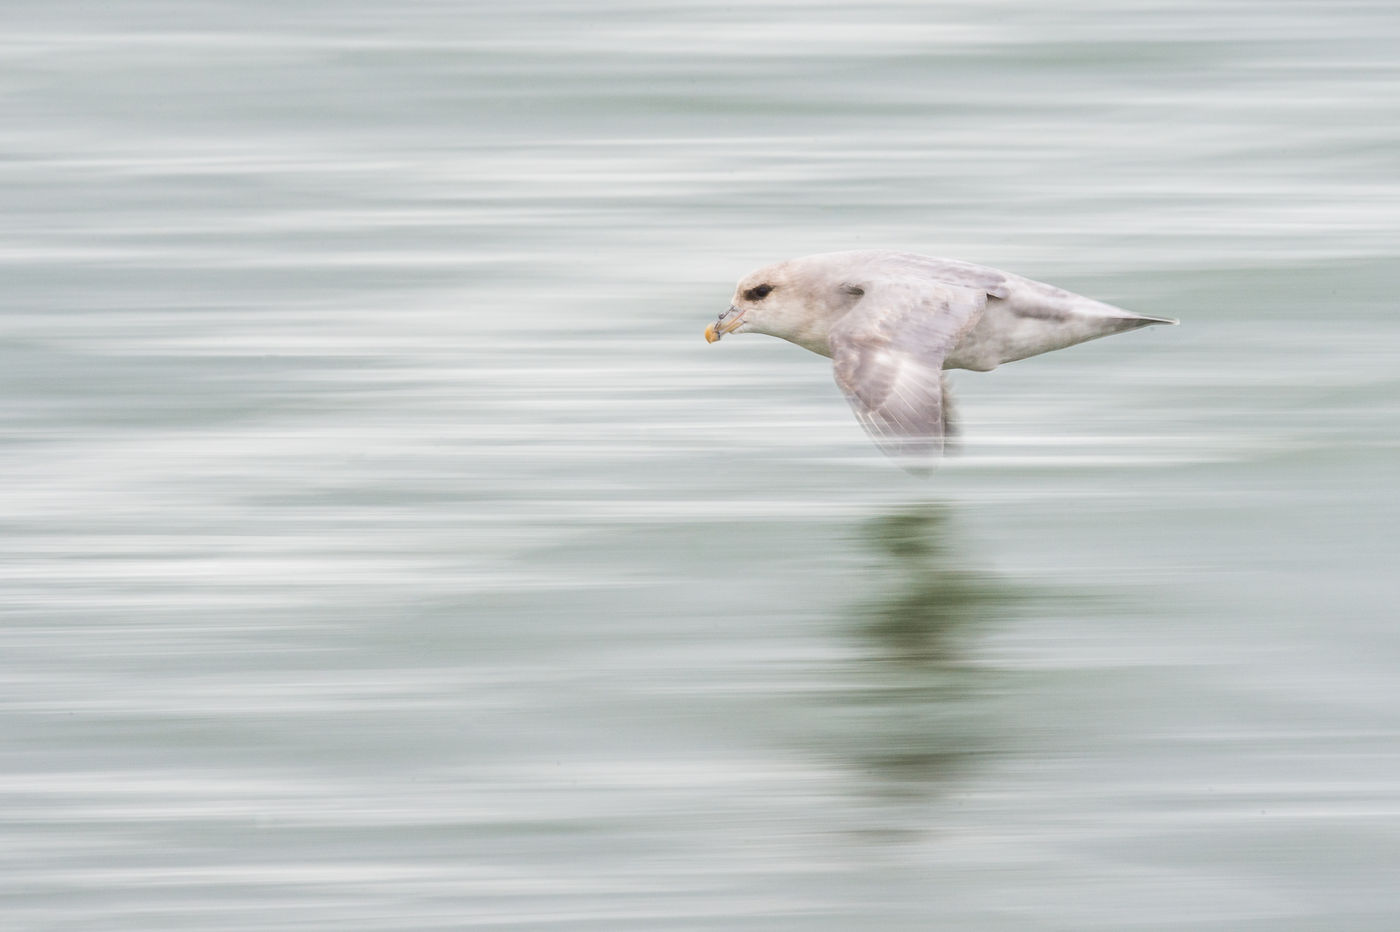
(1023, 317)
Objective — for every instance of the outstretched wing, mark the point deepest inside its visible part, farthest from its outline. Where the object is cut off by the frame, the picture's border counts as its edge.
(887, 355)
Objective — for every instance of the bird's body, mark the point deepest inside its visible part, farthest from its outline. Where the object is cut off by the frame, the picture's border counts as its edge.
(892, 321)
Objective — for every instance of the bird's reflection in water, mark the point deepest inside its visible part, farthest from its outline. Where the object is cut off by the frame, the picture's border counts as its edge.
(935, 598)
(918, 711)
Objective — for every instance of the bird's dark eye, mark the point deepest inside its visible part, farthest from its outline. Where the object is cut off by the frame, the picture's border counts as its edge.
(759, 293)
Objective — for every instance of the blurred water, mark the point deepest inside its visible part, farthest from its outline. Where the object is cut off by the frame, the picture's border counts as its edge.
(384, 548)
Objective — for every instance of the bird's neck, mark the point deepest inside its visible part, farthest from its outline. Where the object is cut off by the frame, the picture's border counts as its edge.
(807, 330)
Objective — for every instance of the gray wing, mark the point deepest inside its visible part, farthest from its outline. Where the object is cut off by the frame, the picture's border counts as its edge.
(887, 356)
(946, 271)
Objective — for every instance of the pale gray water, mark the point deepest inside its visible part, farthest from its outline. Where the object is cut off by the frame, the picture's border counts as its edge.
(384, 548)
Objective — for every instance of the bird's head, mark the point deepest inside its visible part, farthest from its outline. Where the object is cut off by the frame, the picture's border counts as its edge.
(796, 301)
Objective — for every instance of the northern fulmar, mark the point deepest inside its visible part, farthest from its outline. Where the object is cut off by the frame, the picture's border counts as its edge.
(891, 322)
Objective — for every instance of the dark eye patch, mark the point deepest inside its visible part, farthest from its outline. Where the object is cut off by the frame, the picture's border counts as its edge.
(758, 293)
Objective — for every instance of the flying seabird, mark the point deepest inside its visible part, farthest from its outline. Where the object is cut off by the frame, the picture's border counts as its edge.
(891, 322)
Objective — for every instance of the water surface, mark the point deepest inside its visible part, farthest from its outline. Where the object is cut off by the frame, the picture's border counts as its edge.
(384, 548)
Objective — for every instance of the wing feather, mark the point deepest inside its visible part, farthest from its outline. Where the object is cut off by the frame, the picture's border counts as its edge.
(887, 356)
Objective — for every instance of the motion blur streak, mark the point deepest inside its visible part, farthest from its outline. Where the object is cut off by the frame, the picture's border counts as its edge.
(383, 549)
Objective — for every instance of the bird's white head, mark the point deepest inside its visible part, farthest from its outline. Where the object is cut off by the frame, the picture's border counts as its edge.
(797, 301)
